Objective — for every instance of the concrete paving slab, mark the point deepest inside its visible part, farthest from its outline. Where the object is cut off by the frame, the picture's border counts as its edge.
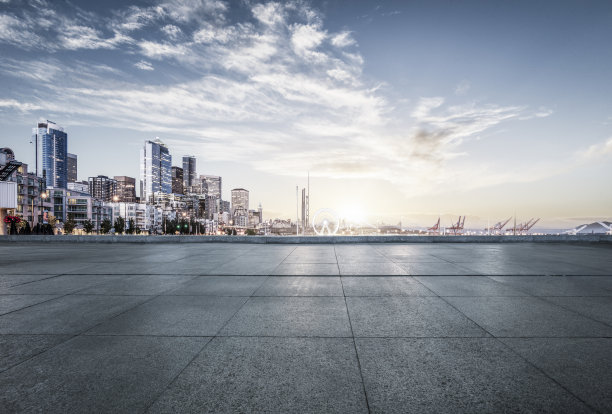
(467, 286)
(269, 375)
(66, 315)
(560, 285)
(59, 285)
(595, 307)
(384, 286)
(307, 269)
(10, 303)
(527, 317)
(300, 286)
(173, 316)
(581, 365)
(43, 267)
(15, 349)
(220, 286)
(513, 268)
(290, 316)
(238, 269)
(363, 268)
(96, 374)
(415, 258)
(435, 269)
(408, 317)
(7, 281)
(137, 285)
(118, 268)
(469, 375)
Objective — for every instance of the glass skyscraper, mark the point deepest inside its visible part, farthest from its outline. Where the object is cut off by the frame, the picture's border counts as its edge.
(155, 169)
(72, 168)
(52, 154)
(190, 177)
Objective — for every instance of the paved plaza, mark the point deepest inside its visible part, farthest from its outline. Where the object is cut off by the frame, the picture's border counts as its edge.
(208, 327)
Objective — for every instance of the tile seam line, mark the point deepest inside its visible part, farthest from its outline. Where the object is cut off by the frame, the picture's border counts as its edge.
(277, 266)
(211, 338)
(348, 315)
(524, 359)
(72, 336)
(58, 296)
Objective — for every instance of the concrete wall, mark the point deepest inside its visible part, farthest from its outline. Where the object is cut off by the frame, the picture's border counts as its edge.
(588, 238)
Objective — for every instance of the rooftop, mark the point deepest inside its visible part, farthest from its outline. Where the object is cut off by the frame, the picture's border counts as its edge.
(225, 327)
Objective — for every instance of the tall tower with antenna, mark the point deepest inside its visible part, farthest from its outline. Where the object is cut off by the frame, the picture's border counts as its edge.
(308, 202)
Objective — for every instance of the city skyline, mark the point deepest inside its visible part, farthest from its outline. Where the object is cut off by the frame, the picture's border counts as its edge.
(439, 120)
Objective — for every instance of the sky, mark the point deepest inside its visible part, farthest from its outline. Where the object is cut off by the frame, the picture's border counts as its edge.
(399, 110)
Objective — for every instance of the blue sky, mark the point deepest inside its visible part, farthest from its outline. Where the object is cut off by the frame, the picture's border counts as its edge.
(399, 110)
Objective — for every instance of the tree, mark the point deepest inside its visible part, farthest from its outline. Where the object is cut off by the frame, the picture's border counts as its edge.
(119, 225)
(251, 232)
(69, 225)
(52, 220)
(137, 230)
(105, 226)
(88, 226)
(131, 226)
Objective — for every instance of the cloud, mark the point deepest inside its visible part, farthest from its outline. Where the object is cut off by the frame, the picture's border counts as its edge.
(21, 106)
(144, 65)
(73, 37)
(15, 31)
(596, 151)
(173, 32)
(274, 89)
(343, 39)
(156, 50)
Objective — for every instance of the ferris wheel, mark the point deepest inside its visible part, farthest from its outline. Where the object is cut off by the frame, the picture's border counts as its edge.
(325, 222)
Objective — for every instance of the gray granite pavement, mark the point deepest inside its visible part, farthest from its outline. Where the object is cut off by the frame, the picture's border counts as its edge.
(512, 327)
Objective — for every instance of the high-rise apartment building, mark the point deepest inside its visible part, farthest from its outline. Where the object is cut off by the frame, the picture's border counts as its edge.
(155, 169)
(213, 185)
(103, 188)
(51, 153)
(240, 200)
(178, 179)
(126, 189)
(71, 168)
(190, 176)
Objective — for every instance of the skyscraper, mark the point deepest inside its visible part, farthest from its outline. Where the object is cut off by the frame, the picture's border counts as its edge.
(190, 177)
(71, 168)
(51, 153)
(155, 169)
(213, 184)
(240, 199)
(102, 188)
(178, 179)
(126, 189)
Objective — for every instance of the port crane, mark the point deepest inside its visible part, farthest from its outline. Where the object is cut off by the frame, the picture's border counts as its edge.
(457, 228)
(435, 228)
(523, 228)
(498, 226)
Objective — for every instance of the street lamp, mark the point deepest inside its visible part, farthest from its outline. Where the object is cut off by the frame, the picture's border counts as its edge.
(115, 198)
(43, 196)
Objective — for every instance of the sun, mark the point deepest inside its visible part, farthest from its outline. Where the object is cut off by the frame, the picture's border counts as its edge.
(353, 213)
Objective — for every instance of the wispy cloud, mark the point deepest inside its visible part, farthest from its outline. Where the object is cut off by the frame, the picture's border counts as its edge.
(144, 65)
(275, 90)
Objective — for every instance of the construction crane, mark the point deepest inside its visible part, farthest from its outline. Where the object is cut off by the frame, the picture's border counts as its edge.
(498, 226)
(435, 228)
(457, 228)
